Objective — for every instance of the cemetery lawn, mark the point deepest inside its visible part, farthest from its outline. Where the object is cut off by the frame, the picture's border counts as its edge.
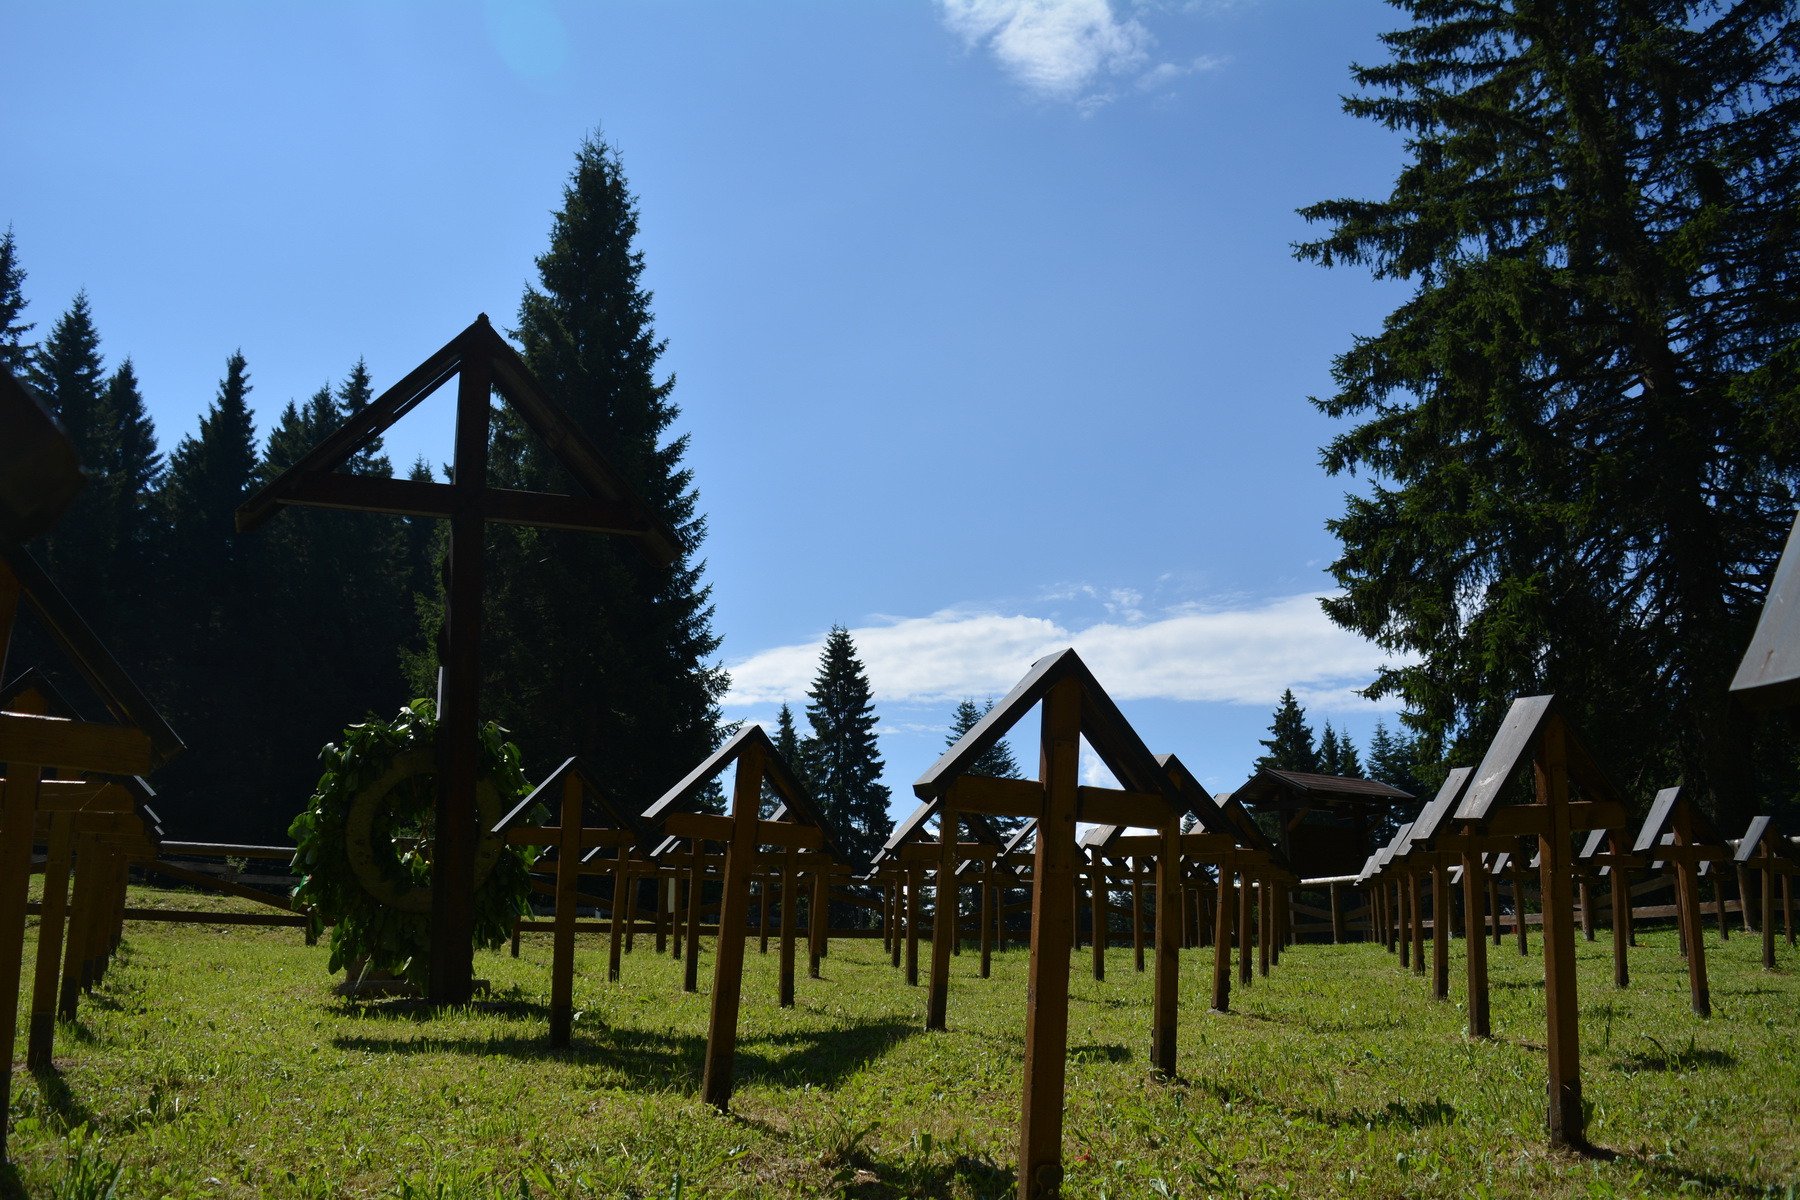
(215, 1062)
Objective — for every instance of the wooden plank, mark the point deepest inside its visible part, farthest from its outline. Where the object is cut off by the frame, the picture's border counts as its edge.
(1769, 674)
(944, 917)
(224, 886)
(708, 827)
(1110, 806)
(1475, 944)
(207, 917)
(74, 745)
(562, 945)
(790, 834)
(1166, 980)
(996, 797)
(53, 912)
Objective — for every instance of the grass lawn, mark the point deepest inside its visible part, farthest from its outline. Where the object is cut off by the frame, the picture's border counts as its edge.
(215, 1062)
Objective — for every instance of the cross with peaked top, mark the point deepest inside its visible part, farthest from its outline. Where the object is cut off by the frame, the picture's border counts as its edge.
(483, 363)
(1073, 707)
(796, 825)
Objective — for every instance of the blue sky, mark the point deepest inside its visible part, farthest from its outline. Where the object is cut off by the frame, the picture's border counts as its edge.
(987, 332)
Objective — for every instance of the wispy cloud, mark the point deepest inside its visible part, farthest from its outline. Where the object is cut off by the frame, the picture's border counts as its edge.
(1240, 655)
(1067, 49)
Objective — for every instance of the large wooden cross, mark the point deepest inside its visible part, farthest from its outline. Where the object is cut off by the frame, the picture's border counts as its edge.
(483, 363)
(1072, 706)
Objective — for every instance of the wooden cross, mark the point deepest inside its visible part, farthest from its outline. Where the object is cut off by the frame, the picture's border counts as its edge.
(483, 363)
(1678, 833)
(742, 832)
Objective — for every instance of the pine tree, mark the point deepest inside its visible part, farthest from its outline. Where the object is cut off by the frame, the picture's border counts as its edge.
(133, 475)
(1391, 759)
(1583, 426)
(15, 351)
(632, 687)
(1290, 740)
(1330, 754)
(842, 757)
(68, 373)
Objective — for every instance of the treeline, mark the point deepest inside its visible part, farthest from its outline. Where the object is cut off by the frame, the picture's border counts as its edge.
(258, 649)
(261, 648)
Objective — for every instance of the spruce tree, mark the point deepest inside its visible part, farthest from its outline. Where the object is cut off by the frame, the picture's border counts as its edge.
(1290, 740)
(15, 351)
(133, 476)
(1582, 427)
(68, 373)
(588, 647)
(842, 757)
(1330, 754)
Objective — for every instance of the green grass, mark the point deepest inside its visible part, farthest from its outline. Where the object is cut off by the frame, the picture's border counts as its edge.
(216, 1062)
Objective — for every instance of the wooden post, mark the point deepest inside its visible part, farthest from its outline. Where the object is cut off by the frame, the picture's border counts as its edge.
(1441, 906)
(1415, 886)
(51, 920)
(790, 887)
(1402, 915)
(18, 808)
(690, 976)
(1620, 880)
(987, 917)
(1687, 886)
(1493, 906)
(1222, 921)
(1767, 906)
(734, 910)
(912, 926)
(1246, 913)
(1337, 915)
(677, 912)
(1047, 1011)
(898, 947)
(766, 912)
(621, 913)
(1518, 874)
(633, 891)
(662, 909)
(1587, 909)
(568, 874)
(459, 721)
(1137, 913)
(1719, 904)
(1562, 1015)
(1475, 944)
(818, 922)
(1168, 957)
(1265, 920)
(943, 925)
(1098, 895)
(82, 915)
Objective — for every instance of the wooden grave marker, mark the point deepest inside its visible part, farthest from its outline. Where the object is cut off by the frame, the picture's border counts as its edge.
(483, 363)
(1073, 707)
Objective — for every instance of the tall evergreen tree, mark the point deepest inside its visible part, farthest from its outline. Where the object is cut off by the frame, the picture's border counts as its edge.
(588, 647)
(1330, 753)
(1583, 426)
(68, 373)
(1392, 760)
(133, 477)
(15, 351)
(1290, 740)
(842, 757)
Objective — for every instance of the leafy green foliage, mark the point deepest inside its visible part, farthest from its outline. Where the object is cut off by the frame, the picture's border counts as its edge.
(1582, 427)
(363, 928)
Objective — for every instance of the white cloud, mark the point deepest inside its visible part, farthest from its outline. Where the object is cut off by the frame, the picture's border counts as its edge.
(1242, 655)
(1057, 48)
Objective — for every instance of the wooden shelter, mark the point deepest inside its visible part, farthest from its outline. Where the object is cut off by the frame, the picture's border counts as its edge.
(1327, 823)
(797, 827)
(1073, 707)
(483, 363)
(573, 794)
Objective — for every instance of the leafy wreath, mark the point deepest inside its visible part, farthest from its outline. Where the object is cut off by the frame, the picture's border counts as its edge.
(362, 843)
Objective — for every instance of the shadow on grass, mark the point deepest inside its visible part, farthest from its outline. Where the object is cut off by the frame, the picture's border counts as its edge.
(1413, 1114)
(907, 1176)
(10, 1186)
(1674, 1061)
(658, 1061)
(1110, 1052)
(60, 1100)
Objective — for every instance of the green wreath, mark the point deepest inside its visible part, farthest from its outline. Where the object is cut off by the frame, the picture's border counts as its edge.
(362, 844)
